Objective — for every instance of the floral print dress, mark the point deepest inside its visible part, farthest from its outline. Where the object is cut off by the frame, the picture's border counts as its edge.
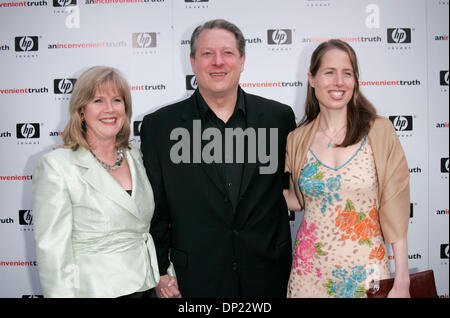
(339, 247)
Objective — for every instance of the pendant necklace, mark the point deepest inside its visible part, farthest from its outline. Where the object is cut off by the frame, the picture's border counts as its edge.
(116, 164)
(330, 139)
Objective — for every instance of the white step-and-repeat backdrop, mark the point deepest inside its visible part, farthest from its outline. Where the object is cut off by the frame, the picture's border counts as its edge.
(45, 45)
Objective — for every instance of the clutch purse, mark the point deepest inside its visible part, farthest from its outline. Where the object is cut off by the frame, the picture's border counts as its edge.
(421, 285)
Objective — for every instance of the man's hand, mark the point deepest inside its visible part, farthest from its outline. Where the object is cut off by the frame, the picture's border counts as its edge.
(167, 287)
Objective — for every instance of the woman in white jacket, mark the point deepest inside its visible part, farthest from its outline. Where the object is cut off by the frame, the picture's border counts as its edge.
(92, 201)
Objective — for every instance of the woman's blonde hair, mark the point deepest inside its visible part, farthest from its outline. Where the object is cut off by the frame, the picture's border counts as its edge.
(97, 77)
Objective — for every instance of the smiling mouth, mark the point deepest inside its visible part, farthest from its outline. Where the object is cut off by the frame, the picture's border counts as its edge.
(108, 120)
(337, 94)
(218, 74)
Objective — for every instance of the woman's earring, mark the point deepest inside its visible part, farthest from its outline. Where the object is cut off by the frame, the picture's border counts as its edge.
(83, 122)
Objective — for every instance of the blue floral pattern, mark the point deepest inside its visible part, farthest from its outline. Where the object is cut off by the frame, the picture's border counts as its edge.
(312, 182)
(345, 285)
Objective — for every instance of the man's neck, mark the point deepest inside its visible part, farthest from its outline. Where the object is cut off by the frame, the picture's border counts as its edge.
(222, 105)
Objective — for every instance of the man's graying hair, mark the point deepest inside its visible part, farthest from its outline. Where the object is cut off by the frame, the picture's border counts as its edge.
(219, 24)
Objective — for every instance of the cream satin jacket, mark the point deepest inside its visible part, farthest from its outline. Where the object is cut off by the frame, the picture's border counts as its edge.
(92, 237)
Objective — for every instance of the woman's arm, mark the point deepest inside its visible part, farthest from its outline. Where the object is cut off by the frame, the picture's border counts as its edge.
(52, 211)
(401, 281)
(291, 197)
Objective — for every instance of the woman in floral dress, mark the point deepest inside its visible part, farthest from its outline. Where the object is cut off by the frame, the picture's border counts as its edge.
(349, 173)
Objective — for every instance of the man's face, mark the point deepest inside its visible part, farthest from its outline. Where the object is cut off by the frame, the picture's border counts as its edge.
(217, 64)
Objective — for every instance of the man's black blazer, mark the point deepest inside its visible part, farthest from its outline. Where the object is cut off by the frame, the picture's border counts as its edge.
(218, 251)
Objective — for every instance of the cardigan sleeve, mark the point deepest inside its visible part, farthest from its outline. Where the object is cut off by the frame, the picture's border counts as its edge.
(393, 181)
(287, 165)
(294, 160)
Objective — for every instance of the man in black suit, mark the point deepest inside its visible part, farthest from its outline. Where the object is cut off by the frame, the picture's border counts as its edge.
(215, 162)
